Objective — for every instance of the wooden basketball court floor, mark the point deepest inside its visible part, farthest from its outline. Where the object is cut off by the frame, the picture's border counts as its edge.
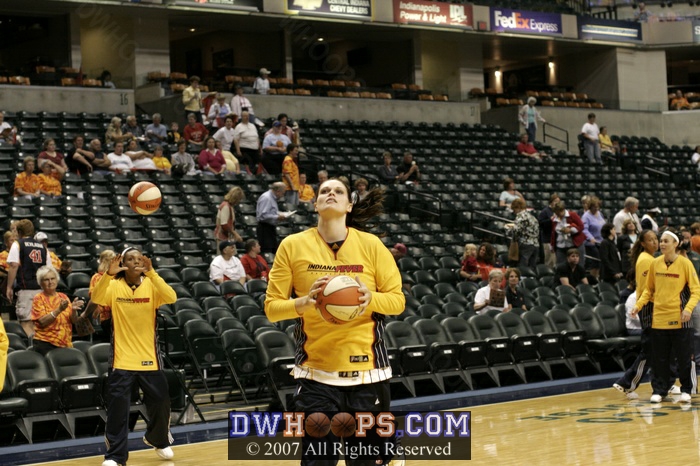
(589, 427)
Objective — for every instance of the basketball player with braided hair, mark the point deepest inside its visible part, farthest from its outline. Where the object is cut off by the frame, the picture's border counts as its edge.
(338, 367)
(134, 291)
(641, 256)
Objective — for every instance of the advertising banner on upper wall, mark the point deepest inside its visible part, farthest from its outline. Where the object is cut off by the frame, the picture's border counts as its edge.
(696, 31)
(251, 5)
(525, 22)
(358, 9)
(609, 29)
(433, 13)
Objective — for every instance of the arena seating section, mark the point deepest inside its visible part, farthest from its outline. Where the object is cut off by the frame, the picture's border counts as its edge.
(223, 340)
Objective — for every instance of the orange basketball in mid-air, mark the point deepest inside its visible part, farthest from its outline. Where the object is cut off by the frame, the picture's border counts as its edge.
(145, 198)
(339, 300)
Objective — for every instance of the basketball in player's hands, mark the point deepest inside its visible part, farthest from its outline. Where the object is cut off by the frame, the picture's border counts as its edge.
(338, 300)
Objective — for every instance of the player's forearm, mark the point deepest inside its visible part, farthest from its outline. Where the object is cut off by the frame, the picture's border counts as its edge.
(165, 291)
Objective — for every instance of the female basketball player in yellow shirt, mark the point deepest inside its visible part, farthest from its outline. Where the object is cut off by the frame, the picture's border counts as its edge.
(134, 291)
(673, 286)
(338, 367)
(641, 256)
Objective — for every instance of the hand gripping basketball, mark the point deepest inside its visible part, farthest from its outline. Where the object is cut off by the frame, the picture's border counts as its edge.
(342, 299)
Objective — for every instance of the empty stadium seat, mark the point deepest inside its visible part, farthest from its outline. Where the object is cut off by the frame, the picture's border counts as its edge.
(598, 343)
(444, 353)
(243, 359)
(573, 339)
(411, 357)
(524, 342)
(204, 348)
(30, 378)
(472, 355)
(499, 352)
(276, 351)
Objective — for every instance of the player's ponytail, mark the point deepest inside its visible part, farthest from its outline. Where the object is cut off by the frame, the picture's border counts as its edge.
(364, 210)
(637, 248)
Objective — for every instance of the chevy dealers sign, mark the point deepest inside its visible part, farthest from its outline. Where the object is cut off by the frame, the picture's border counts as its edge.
(359, 9)
(525, 22)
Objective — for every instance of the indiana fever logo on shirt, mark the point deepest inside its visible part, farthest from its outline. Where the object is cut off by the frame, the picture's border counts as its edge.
(667, 275)
(133, 300)
(335, 268)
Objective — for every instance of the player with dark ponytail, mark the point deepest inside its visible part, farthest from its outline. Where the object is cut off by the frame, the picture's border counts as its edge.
(338, 367)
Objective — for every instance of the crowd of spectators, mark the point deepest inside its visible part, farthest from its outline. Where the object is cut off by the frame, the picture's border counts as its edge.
(578, 246)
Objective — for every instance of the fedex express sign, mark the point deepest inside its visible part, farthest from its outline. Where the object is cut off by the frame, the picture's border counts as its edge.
(527, 22)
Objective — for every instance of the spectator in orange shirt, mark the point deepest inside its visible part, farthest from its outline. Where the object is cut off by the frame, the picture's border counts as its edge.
(48, 184)
(7, 239)
(306, 191)
(27, 183)
(52, 314)
(695, 239)
(290, 175)
(680, 102)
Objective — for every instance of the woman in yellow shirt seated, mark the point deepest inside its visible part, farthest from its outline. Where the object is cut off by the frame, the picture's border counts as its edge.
(607, 147)
(306, 191)
(48, 184)
(162, 163)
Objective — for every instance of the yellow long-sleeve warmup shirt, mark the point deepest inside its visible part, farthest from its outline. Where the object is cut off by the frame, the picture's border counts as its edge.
(345, 349)
(673, 289)
(134, 318)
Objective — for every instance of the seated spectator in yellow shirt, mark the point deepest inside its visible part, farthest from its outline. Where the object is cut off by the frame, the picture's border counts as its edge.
(27, 183)
(48, 185)
(607, 147)
(306, 191)
(232, 164)
(162, 163)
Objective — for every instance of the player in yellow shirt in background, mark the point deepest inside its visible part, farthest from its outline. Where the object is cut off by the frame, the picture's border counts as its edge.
(641, 255)
(338, 367)
(673, 286)
(4, 345)
(134, 291)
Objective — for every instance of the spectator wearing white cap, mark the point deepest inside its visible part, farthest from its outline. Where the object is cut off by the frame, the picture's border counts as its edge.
(226, 266)
(262, 84)
(44, 239)
(648, 220)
